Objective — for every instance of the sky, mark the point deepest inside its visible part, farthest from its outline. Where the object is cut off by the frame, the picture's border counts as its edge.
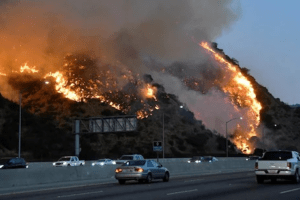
(265, 39)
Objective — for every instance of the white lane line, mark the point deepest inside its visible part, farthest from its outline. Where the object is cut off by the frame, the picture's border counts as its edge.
(290, 191)
(194, 180)
(72, 195)
(183, 192)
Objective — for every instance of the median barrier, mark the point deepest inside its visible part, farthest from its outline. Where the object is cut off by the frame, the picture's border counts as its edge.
(43, 173)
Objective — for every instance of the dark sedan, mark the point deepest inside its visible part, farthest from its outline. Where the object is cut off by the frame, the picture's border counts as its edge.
(11, 163)
(195, 159)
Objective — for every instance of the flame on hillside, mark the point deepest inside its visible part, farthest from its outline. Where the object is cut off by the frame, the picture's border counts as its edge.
(242, 93)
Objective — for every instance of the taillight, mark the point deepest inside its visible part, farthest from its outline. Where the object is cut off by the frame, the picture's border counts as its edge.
(289, 165)
(118, 170)
(256, 165)
(139, 169)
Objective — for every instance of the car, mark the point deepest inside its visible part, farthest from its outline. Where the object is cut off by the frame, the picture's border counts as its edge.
(280, 164)
(209, 159)
(69, 161)
(253, 158)
(125, 158)
(12, 163)
(105, 161)
(142, 171)
(195, 159)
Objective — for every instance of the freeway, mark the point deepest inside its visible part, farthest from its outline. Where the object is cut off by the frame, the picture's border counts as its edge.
(225, 186)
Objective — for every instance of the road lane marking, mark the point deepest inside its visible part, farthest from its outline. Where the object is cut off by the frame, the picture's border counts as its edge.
(194, 180)
(289, 190)
(183, 192)
(72, 195)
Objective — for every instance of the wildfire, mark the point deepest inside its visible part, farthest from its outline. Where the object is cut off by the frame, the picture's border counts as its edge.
(241, 92)
(28, 69)
(150, 91)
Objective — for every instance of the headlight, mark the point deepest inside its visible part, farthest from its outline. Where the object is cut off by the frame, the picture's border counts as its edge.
(93, 164)
(189, 161)
(1, 166)
(118, 170)
(210, 161)
(102, 163)
(53, 164)
(64, 163)
(114, 162)
(26, 166)
(197, 161)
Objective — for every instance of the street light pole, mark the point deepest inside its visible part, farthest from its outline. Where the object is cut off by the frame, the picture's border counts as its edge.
(20, 114)
(227, 134)
(163, 135)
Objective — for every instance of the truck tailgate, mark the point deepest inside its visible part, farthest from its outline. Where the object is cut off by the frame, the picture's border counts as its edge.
(271, 164)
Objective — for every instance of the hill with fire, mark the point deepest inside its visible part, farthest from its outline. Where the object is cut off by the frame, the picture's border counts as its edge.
(81, 90)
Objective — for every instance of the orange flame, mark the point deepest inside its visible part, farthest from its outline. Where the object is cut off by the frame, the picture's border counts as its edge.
(27, 69)
(241, 88)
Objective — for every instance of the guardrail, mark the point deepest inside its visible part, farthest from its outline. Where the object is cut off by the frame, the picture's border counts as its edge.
(43, 173)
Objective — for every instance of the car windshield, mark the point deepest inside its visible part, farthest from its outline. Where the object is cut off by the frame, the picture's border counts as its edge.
(64, 159)
(196, 158)
(4, 160)
(126, 158)
(277, 155)
(134, 163)
(101, 160)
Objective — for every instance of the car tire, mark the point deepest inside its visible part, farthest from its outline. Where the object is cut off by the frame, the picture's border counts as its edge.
(122, 182)
(259, 179)
(149, 178)
(296, 177)
(166, 177)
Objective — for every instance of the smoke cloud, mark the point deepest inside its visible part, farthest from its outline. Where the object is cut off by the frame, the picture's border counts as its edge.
(124, 33)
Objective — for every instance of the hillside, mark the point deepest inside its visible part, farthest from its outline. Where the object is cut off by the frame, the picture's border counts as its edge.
(48, 115)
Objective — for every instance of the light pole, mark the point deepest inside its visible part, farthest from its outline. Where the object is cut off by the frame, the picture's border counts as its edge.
(163, 135)
(20, 117)
(263, 136)
(226, 133)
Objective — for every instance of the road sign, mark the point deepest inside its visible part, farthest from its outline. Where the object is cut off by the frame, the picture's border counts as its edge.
(157, 146)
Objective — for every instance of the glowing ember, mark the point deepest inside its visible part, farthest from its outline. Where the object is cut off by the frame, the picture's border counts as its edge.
(241, 92)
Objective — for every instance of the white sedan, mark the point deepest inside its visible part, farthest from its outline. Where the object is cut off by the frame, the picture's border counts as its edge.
(105, 161)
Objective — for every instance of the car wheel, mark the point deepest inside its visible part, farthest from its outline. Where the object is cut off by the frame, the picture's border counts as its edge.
(166, 177)
(122, 182)
(296, 177)
(149, 178)
(259, 179)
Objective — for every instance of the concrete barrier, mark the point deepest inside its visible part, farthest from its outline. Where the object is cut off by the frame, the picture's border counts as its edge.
(43, 173)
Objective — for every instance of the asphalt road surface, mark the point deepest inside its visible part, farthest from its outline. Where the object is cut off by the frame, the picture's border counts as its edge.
(240, 185)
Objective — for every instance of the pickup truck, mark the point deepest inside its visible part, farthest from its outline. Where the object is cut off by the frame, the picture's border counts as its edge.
(69, 161)
(278, 165)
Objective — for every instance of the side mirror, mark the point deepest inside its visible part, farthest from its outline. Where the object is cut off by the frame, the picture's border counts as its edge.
(160, 165)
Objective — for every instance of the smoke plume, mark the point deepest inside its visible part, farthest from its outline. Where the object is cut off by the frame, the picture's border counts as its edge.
(123, 33)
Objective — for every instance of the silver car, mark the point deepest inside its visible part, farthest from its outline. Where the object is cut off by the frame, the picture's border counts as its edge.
(141, 170)
(104, 161)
